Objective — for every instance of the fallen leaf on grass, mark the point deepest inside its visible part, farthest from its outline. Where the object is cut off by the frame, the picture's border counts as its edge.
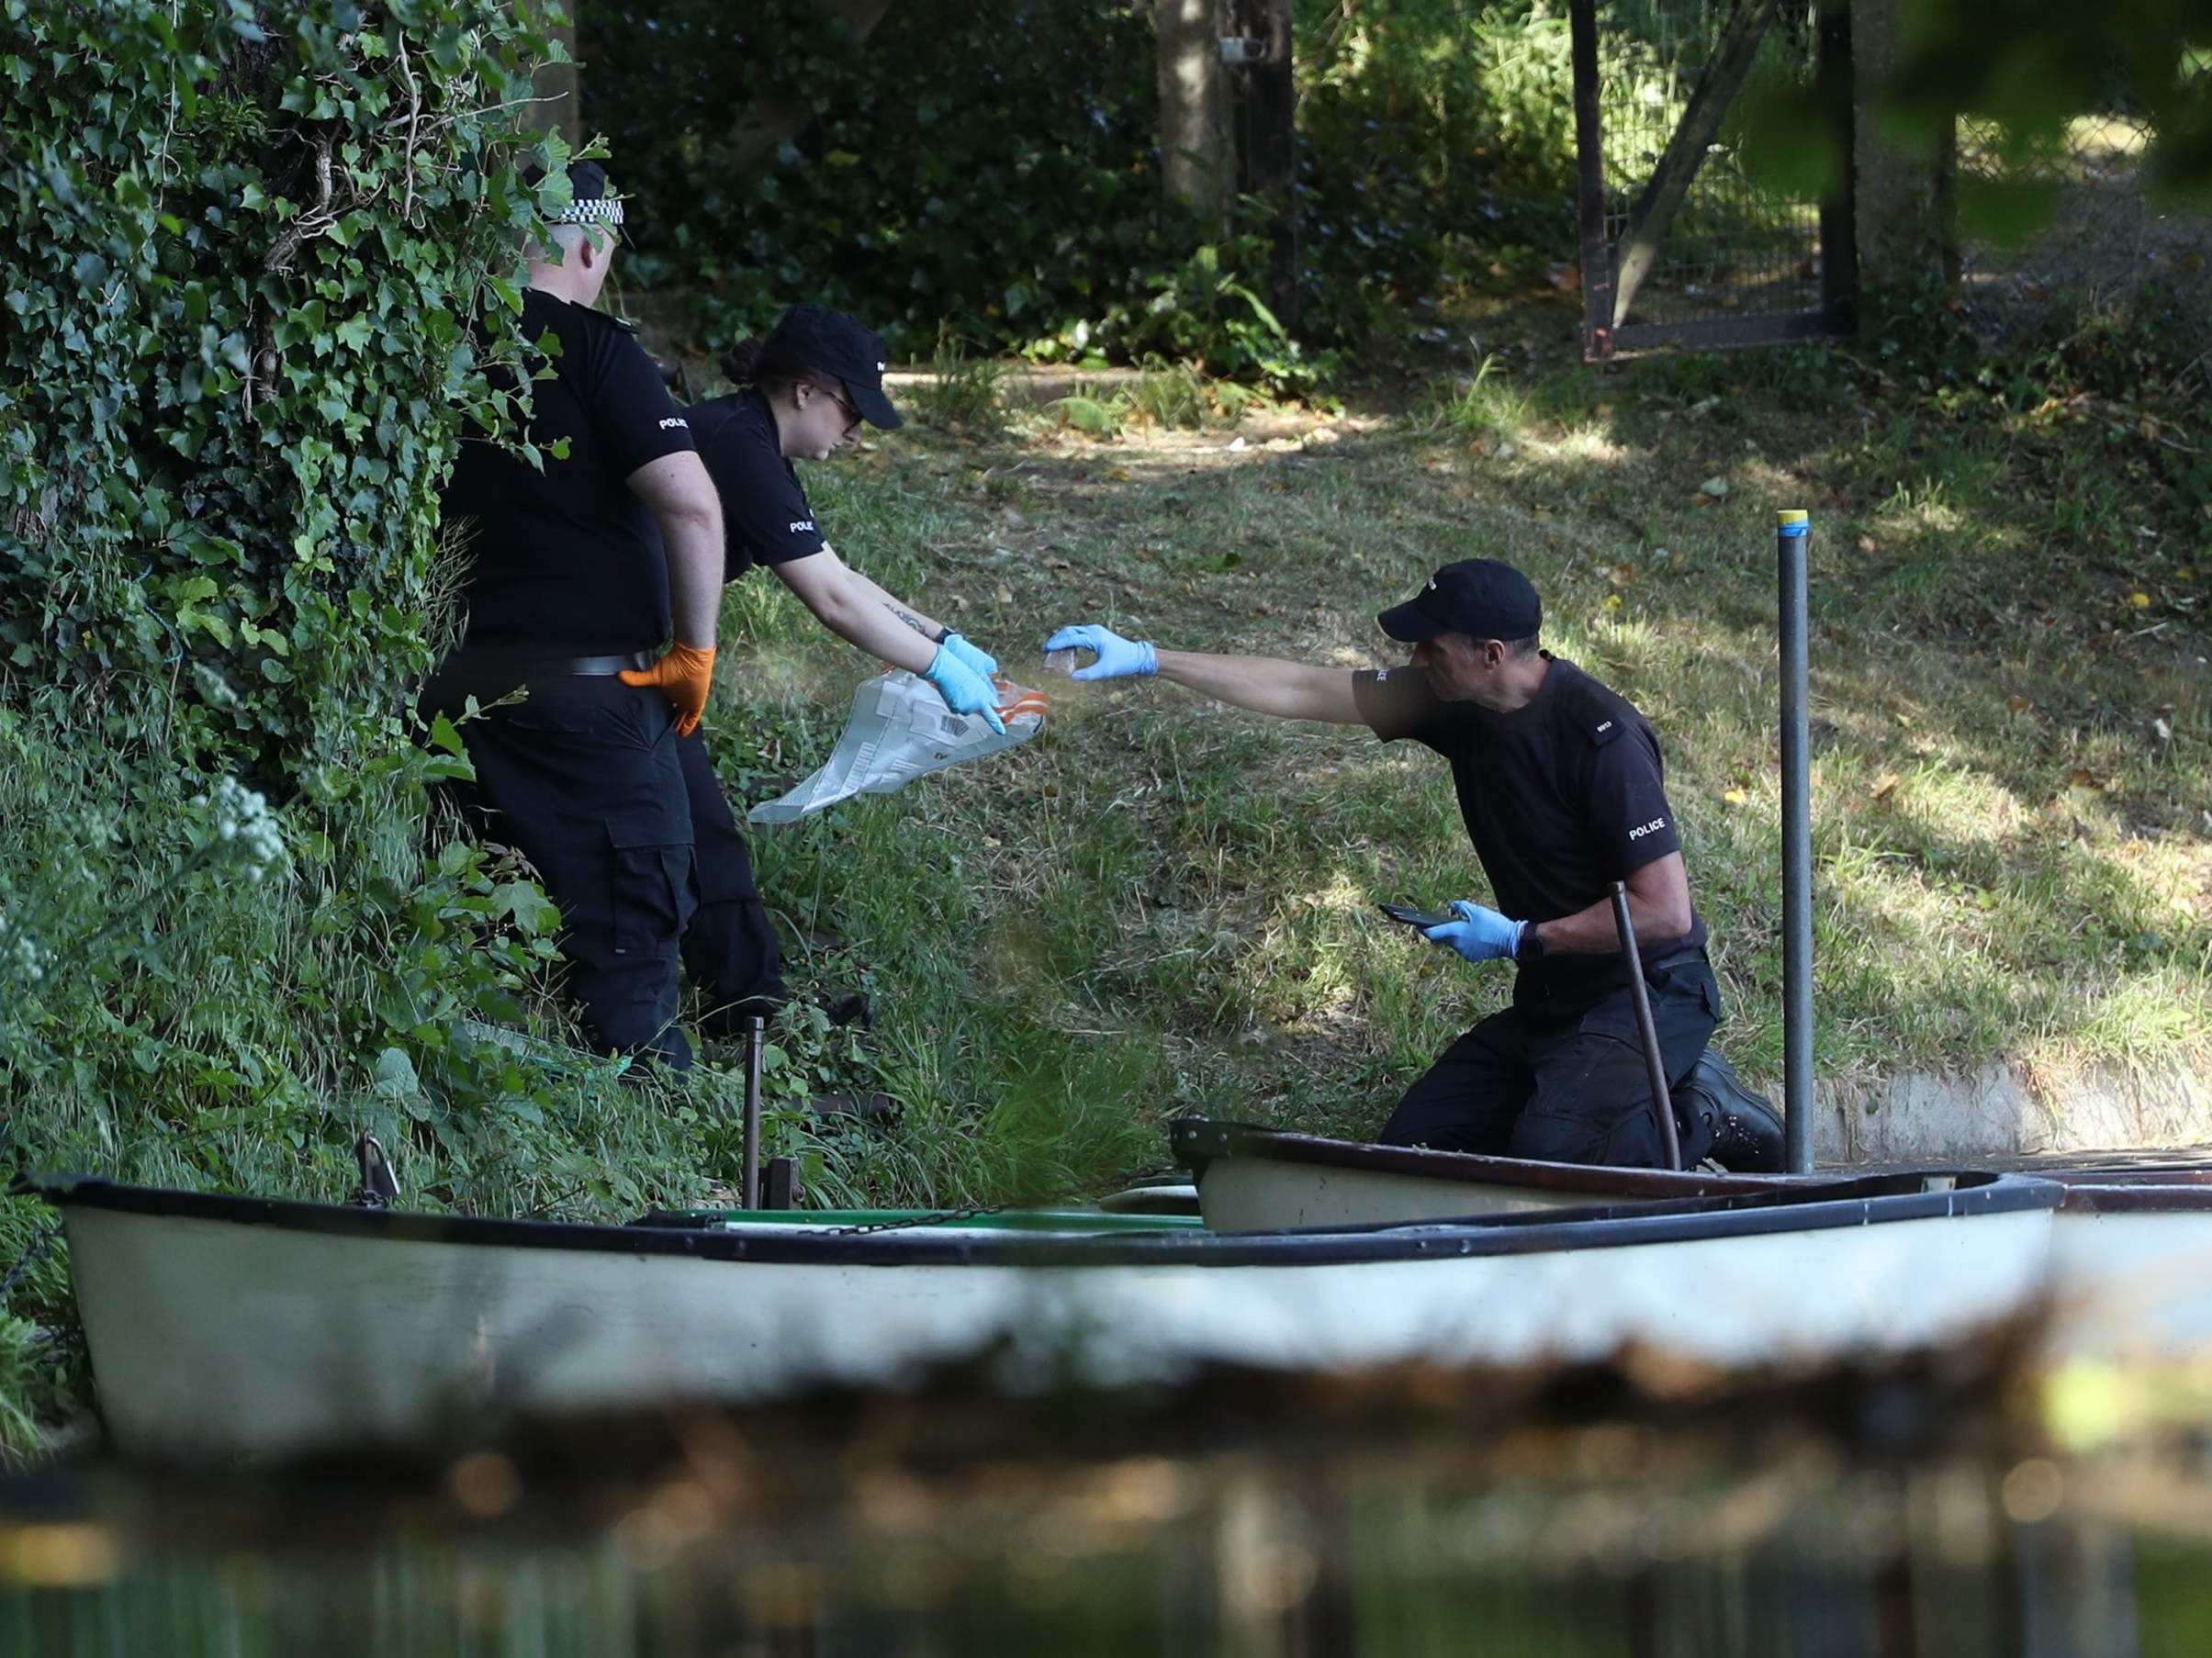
(1885, 785)
(1867, 544)
(1621, 575)
(1736, 797)
(2017, 704)
(2141, 601)
(1004, 594)
(2082, 778)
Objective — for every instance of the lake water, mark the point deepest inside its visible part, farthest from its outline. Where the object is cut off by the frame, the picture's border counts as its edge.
(1843, 1523)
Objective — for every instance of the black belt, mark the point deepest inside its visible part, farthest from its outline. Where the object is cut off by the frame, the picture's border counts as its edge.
(504, 661)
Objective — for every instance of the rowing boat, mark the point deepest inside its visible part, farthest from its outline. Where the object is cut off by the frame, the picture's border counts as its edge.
(1260, 1178)
(225, 1327)
(2130, 1273)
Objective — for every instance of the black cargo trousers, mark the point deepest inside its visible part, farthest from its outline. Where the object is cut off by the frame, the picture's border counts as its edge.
(628, 827)
(1568, 1084)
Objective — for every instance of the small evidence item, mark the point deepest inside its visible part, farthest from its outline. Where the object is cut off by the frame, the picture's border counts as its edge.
(1418, 918)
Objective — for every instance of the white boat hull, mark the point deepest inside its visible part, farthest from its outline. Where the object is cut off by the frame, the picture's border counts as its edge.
(2133, 1286)
(217, 1337)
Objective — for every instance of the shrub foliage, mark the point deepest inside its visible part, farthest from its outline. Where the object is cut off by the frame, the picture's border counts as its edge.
(990, 170)
(246, 251)
(242, 256)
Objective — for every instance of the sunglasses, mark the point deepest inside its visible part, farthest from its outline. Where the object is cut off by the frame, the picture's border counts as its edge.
(853, 417)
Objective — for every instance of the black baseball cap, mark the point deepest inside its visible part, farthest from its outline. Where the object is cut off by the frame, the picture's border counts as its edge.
(1477, 597)
(814, 338)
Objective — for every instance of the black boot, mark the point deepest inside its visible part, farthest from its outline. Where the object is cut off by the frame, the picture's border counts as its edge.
(1746, 1131)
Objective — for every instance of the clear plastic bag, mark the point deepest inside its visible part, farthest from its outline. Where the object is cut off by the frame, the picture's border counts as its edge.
(900, 730)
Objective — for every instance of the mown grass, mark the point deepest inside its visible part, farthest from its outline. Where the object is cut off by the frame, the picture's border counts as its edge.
(1163, 905)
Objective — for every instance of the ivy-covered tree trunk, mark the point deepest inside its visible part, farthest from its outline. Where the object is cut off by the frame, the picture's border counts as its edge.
(256, 267)
(241, 256)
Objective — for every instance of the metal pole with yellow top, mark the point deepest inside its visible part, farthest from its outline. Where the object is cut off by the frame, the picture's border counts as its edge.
(1793, 533)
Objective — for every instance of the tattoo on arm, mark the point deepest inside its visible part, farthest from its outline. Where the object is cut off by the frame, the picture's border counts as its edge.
(909, 618)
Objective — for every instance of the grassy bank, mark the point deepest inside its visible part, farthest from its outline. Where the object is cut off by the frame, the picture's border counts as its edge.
(1164, 905)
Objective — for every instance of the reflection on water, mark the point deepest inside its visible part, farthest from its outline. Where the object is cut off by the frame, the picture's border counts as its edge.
(1607, 1540)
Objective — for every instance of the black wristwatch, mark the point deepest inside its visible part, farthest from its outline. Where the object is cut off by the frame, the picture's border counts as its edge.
(1531, 947)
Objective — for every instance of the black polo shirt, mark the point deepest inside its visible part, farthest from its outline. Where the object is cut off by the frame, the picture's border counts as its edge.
(1562, 798)
(569, 558)
(766, 518)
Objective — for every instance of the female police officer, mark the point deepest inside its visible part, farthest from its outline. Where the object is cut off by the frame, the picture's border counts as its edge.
(804, 391)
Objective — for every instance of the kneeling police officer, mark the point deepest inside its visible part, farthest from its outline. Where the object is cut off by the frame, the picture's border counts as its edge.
(1562, 791)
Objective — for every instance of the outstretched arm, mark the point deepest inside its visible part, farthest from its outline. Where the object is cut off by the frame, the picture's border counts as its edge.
(845, 602)
(929, 626)
(1265, 685)
(847, 607)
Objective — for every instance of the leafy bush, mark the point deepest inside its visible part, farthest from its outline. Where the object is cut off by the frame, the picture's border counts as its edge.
(244, 256)
(239, 279)
(992, 168)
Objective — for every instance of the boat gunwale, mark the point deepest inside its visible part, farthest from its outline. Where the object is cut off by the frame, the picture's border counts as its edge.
(1873, 1201)
(1198, 1141)
(2151, 1194)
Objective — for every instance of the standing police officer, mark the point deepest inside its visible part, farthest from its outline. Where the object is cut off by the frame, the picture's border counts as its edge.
(568, 588)
(1563, 792)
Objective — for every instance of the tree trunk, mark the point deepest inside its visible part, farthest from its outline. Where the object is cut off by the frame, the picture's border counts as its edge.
(1906, 235)
(559, 84)
(1273, 157)
(1193, 107)
(780, 119)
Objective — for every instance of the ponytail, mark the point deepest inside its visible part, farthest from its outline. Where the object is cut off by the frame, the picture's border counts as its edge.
(742, 361)
(765, 364)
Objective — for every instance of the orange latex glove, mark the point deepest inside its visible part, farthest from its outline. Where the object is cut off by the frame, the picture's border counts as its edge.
(685, 676)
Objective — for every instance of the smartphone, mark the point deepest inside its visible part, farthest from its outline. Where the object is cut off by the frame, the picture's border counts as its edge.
(1418, 918)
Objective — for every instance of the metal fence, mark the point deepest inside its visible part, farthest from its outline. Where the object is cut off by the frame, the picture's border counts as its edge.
(1676, 89)
(2104, 242)
(1735, 244)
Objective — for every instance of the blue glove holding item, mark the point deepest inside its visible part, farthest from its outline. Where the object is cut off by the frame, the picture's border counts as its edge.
(1118, 657)
(1479, 935)
(965, 691)
(982, 661)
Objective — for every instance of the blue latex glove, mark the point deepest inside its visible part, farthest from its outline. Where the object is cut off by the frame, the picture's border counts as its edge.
(982, 661)
(1118, 657)
(1479, 935)
(965, 691)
